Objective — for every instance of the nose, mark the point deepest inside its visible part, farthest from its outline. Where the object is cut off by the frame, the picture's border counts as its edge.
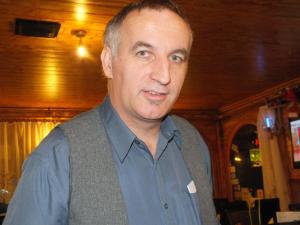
(161, 71)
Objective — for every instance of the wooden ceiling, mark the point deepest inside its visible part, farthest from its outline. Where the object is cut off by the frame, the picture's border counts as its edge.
(241, 48)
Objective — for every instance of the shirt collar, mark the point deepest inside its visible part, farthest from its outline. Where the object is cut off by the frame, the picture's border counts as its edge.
(170, 131)
(121, 137)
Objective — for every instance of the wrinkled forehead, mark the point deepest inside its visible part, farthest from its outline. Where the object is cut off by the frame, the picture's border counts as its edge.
(155, 20)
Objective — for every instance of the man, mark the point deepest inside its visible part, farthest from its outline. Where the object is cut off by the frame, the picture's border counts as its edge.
(127, 161)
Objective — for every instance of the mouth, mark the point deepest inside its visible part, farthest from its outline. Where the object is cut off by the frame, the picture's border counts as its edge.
(155, 92)
(153, 95)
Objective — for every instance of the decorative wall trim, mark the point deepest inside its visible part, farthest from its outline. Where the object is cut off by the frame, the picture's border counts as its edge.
(37, 114)
(255, 100)
(195, 114)
(62, 114)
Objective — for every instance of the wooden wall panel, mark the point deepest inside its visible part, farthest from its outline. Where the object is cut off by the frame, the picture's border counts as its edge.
(295, 187)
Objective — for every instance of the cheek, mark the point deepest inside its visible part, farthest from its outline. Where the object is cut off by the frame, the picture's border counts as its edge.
(121, 73)
(178, 79)
(177, 89)
(130, 81)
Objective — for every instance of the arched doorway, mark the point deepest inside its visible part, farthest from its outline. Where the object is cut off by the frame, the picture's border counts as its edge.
(245, 164)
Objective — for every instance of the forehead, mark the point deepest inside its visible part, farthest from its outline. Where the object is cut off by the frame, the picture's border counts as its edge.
(153, 24)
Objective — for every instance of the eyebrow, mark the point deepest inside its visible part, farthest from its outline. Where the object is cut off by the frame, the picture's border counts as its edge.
(141, 44)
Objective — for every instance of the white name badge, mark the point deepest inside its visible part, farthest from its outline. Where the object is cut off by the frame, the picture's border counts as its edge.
(191, 187)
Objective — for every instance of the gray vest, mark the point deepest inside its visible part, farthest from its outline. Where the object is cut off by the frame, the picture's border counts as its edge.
(95, 192)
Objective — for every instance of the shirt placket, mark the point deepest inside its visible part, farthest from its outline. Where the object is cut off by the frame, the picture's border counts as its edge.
(164, 201)
(168, 216)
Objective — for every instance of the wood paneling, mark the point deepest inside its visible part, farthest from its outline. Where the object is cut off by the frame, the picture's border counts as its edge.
(240, 48)
(257, 99)
(295, 187)
(38, 114)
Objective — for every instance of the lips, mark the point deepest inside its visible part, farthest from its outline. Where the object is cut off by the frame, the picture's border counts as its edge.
(155, 95)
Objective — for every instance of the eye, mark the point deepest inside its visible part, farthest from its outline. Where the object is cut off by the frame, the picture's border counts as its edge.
(177, 58)
(143, 54)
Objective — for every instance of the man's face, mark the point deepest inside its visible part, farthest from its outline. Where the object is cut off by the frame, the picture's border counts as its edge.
(148, 69)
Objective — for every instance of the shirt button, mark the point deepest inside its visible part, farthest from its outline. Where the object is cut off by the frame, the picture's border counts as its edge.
(166, 206)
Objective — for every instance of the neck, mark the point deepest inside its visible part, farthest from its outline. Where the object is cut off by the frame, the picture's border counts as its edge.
(147, 131)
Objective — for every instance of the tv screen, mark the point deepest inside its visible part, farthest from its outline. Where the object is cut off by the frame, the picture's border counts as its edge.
(295, 132)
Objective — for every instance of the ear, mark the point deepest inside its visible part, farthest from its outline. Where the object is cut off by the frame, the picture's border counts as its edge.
(106, 59)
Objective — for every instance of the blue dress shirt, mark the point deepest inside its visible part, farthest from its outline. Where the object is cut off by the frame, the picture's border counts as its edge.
(154, 188)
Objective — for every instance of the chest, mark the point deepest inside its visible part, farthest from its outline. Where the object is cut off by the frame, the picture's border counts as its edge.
(155, 189)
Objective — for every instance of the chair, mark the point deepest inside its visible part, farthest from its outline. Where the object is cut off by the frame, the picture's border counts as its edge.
(294, 207)
(221, 204)
(267, 209)
(3, 209)
(237, 205)
(242, 217)
(1, 218)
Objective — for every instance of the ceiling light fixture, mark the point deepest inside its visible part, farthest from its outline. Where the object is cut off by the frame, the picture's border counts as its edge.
(81, 50)
(80, 13)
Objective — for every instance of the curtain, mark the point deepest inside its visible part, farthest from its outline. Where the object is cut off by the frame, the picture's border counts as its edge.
(17, 141)
(274, 176)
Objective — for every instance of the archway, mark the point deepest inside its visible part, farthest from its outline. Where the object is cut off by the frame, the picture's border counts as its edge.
(245, 164)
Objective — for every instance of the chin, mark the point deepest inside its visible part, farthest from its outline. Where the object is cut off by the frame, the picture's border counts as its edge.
(153, 114)
(152, 110)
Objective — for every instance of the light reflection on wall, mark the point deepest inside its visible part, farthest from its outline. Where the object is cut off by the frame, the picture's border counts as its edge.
(51, 79)
(260, 59)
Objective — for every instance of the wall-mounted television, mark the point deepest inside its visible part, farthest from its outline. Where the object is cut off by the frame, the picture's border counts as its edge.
(295, 133)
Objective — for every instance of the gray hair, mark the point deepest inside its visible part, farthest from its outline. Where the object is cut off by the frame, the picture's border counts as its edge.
(111, 37)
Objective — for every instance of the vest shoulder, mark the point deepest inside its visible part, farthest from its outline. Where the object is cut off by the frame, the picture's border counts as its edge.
(83, 118)
(182, 124)
(84, 124)
(189, 133)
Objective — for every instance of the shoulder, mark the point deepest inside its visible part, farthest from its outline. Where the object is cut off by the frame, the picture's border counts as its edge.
(83, 124)
(181, 122)
(49, 159)
(82, 119)
(42, 193)
(53, 146)
(187, 130)
(193, 139)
